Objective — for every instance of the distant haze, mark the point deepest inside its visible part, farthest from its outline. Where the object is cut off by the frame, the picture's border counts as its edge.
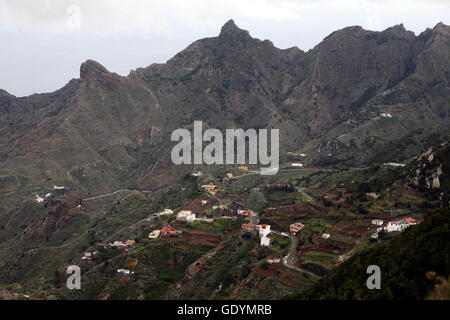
(43, 42)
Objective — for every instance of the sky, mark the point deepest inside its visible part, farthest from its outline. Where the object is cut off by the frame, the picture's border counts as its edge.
(44, 42)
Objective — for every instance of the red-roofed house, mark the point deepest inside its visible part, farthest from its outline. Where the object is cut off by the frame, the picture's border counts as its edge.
(168, 232)
(296, 227)
(410, 221)
(247, 213)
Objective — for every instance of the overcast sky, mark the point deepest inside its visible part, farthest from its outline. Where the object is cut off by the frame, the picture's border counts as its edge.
(43, 42)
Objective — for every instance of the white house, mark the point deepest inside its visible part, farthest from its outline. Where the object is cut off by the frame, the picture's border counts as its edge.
(154, 234)
(204, 202)
(190, 217)
(298, 165)
(326, 235)
(377, 222)
(183, 214)
(265, 242)
(39, 199)
(264, 230)
(271, 261)
(124, 271)
(166, 212)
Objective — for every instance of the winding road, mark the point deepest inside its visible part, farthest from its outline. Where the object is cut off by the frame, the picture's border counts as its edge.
(113, 193)
(289, 260)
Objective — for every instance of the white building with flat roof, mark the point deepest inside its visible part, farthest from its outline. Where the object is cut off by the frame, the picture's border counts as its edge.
(154, 234)
(264, 230)
(183, 214)
(124, 271)
(190, 217)
(265, 241)
(377, 222)
(297, 165)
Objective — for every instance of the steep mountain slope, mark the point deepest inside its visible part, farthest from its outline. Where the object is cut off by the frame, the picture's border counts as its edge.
(431, 173)
(410, 263)
(348, 100)
(405, 264)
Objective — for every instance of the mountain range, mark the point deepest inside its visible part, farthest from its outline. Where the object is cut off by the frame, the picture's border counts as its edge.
(357, 99)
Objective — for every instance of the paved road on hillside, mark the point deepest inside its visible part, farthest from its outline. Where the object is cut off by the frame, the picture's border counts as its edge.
(303, 191)
(289, 260)
(250, 173)
(214, 197)
(113, 193)
(253, 172)
(191, 270)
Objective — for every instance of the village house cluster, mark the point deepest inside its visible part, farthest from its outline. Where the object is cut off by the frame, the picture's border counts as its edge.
(211, 188)
(393, 226)
(89, 256)
(120, 244)
(400, 225)
(166, 231)
(253, 228)
(165, 212)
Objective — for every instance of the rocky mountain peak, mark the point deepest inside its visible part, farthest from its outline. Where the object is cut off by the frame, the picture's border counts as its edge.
(398, 28)
(92, 69)
(230, 29)
(442, 29)
(399, 32)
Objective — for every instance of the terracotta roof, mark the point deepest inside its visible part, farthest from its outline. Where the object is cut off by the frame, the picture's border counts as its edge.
(167, 229)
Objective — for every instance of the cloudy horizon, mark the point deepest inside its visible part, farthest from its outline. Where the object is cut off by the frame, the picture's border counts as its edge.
(45, 41)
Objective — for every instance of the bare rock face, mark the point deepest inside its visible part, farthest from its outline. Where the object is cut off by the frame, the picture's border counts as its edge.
(431, 170)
